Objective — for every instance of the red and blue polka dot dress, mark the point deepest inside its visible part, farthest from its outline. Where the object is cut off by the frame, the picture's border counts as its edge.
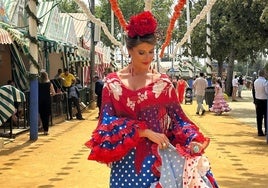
(136, 162)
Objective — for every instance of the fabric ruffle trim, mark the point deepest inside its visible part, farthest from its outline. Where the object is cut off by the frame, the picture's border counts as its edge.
(186, 134)
(120, 143)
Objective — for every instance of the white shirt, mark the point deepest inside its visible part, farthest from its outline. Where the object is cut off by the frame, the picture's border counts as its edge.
(235, 82)
(261, 88)
(200, 84)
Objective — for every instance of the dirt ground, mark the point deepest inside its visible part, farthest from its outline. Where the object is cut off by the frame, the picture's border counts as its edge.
(238, 156)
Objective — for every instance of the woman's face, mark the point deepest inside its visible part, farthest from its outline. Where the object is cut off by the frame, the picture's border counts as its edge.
(142, 55)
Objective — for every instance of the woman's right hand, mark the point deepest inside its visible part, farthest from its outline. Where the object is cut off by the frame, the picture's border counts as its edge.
(159, 138)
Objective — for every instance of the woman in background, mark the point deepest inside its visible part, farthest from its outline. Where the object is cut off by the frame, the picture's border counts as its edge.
(181, 86)
(219, 104)
(45, 91)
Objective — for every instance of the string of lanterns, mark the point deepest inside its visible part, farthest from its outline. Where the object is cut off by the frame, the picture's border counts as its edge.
(177, 12)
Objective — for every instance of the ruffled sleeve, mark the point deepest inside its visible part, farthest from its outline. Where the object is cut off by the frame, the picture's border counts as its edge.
(182, 130)
(114, 136)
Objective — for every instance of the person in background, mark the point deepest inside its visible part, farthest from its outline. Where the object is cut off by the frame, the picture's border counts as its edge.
(98, 91)
(240, 85)
(78, 83)
(73, 100)
(57, 76)
(141, 121)
(181, 86)
(196, 76)
(235, 88)
(261, 94)
(219, 104)
(174, 81)
(67, 79)
(45, 91)
(214, 81)
(253, 89)
(200, 84)
(190, 82)
(57, 81)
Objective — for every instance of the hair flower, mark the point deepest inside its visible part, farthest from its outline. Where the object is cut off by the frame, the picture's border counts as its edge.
(141, 24)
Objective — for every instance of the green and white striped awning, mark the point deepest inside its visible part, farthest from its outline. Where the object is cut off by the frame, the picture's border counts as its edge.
(72, 59)
(73, 53)
(78, 54)
(18, 36)
(19, 72)
(53, 46)
(9, 95)
(56, 46)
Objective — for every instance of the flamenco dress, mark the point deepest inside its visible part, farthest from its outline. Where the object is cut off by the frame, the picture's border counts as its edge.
(136, 162)
(219, 103)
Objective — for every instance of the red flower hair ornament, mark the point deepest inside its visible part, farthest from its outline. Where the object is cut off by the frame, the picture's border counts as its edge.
(141, 24)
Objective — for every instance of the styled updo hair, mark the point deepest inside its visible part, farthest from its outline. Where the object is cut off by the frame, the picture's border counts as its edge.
(132, 42)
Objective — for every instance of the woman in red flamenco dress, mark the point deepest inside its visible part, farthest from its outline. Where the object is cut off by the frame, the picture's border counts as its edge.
(141, 123)
(181, 86)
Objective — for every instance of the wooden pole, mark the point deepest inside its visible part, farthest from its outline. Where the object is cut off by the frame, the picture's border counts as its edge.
(33, 48)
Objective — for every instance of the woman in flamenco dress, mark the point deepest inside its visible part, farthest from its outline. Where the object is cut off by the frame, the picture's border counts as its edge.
(141, 124)
(219, 103)
(181, 86)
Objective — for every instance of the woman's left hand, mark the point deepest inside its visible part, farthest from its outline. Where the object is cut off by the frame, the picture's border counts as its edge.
(196, 147)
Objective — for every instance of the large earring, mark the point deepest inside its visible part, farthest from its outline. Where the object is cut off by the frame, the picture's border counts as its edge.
(131, 69)
(152, 67)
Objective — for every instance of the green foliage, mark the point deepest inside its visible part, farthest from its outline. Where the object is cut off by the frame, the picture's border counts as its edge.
(240, 28)
(69, 6)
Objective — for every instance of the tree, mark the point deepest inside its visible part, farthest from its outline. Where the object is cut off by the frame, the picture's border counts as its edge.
(237, 33)
(69, 6)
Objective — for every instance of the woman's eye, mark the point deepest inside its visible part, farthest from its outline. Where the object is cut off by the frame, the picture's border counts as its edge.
(141, 53)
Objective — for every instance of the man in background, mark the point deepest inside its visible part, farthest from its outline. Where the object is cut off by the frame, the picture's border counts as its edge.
(261, 94)
(240, 85)
(200, 84)
(98, 91)
(73, 100)
(67, 79)
(235, 88)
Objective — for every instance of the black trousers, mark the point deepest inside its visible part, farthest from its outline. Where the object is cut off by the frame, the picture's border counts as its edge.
(45, 112)
(74, 101)
(261, 112)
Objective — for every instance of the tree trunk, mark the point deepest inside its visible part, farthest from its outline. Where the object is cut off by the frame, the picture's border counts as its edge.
(230, 70)
(220, 68)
